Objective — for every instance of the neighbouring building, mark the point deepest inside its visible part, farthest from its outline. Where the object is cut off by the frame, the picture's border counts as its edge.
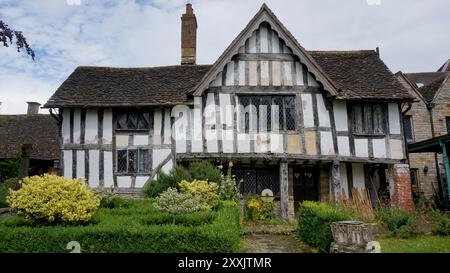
(305, 124)
(428, 117)
(39, 130)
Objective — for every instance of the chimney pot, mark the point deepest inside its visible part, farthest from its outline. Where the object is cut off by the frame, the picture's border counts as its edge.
(188, 36)
(33, 108)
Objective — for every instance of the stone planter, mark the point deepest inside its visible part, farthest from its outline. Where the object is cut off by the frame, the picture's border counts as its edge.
(350, 236)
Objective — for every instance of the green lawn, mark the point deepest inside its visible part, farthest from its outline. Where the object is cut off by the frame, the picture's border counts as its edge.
(419, 244)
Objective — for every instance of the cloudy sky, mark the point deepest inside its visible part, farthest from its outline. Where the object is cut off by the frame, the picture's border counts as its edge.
(413, 35)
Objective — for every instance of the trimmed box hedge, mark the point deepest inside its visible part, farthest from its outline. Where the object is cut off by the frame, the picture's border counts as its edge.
(314, 221)
(129, 230)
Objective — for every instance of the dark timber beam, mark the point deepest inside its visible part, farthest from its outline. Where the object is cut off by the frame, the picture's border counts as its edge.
(284, 190)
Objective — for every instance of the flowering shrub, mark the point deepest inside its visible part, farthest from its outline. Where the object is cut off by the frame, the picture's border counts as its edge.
(51, 198)
(259, 210)
(206, 192)
(229, 189)
(176, 203)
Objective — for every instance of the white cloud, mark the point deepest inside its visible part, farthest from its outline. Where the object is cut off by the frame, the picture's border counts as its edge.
(410, 33)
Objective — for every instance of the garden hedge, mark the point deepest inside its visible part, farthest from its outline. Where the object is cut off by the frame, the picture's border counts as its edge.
(314, 220)
(127, 230)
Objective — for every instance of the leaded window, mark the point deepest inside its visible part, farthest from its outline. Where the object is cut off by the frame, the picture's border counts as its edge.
(369, 118)
(254, 181)
(267, 113)
(133, 120)
(407, 127)
(132, 161)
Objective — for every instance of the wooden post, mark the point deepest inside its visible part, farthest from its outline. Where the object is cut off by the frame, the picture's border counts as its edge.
(284, 190)
(24, 161)
(335, 181)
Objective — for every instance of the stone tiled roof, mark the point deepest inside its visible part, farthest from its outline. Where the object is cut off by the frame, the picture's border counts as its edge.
(39, 130)
(357, 74)
(106, 86)
(360, 75)
(429, 91)
(424, 78)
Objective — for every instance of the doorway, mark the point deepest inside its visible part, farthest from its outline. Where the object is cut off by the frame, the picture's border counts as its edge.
(305, 185)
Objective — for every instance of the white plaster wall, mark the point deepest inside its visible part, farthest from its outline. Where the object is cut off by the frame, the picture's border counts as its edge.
(211, 141)
(80, 164)
(124, 181)
(229, 78)
(159, 155)
(122, 140)
(379, 147)
(157, 126)
(362, 147)
(107, 126)
(262, 143)
(94, 158)
(65, 128)
(299, 73)
(197, 128)
(312, 81)
(326, 143)
(140, 181)
(308, 114)
(358, 176)
(180, 127)
(324, 115)
(340, 116)
(243, 144)
(76, 125)
(394, 118)
(228, 141)
(167, 127)
(68, 162)
(396, 147)
(91, 129)
(343, 145)
(166, 168)
(108, 169)
(140, 140)
(276, 143)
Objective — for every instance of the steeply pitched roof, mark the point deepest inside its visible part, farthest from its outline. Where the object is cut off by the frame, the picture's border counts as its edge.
(106, 86)
(360, 75)
(39, 130)
(429, 91)
(445, 67)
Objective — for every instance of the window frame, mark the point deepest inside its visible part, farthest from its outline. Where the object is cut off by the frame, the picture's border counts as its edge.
(244, 122)
(369, 129)
(447, 124)
(410, 118)
(137, 164)
(127, 113)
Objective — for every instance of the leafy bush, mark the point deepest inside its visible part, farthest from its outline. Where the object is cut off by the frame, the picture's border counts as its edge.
(11, 183)
(191, 219)
(257, 209)
(204, 191)
(165, 181)
(176, 203)
(314, 220)
(51, 198)
(9, 168)
(399, 222)
(125, 230)
(205, 170)
(110, 200)
(441, 222)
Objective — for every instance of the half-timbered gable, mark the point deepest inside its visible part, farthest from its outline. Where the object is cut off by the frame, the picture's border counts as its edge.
(305, 124)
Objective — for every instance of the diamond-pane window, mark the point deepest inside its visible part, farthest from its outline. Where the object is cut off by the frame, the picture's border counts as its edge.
(133, 120)
(122, 161)
(254, 181)
(143, 160)
(132, 161)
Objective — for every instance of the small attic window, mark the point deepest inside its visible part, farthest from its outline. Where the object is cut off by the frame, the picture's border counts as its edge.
(419, 84)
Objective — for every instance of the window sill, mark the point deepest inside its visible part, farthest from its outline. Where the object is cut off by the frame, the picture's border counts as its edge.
(132, 174)
(370, 135)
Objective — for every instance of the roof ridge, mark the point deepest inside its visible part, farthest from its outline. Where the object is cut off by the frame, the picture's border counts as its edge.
(361, 51)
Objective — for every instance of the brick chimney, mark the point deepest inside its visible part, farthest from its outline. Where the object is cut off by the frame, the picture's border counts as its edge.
(188, 36)
(33, 108)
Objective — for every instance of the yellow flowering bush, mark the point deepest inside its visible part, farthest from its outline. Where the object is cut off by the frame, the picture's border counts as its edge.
(206, 192)
(257, 209)
(52, 198)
